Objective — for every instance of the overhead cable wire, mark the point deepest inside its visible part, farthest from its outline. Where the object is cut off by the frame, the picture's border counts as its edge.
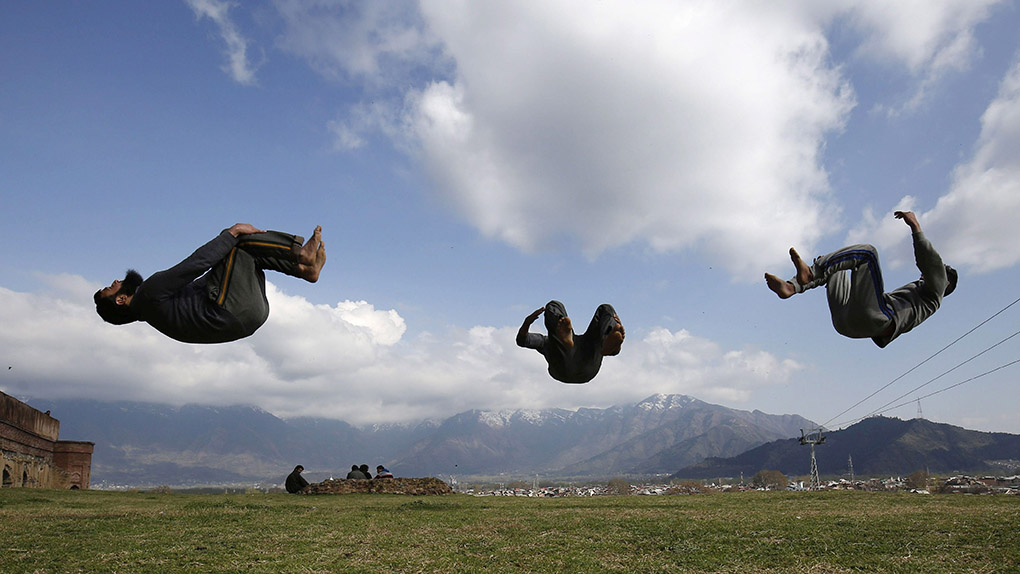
(930, 381)
(936, 353)
(953, 386)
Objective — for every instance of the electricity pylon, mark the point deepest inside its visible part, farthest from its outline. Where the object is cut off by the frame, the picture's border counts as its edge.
(813, 437)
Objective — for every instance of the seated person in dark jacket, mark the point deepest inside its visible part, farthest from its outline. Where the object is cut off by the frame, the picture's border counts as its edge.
(218, 294)
(356, 474)
(295, 482)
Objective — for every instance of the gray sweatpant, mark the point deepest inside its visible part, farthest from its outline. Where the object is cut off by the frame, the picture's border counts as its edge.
(238, 283)
(853, 282)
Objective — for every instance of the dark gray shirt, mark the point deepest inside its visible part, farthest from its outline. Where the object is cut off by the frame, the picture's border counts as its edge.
(579, 364)
(177, 303)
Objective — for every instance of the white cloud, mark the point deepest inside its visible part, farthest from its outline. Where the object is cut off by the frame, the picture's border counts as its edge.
(974, 224)
(612, 123)
(238, 65)
(371, 42)
(346, 361)
(680, 125)
(681, 362)
(929, 38)
(980, 212)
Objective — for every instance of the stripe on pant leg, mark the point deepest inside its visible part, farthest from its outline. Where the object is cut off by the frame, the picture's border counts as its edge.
(871, 260)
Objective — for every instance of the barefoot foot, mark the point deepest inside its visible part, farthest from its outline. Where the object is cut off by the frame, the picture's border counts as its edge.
(804, 275)
(309, 251)
(311, 272)
(613, 343)
(565, 332)
(780, 287)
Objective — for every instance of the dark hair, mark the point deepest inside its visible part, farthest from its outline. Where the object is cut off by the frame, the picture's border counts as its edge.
(951, 276)
(111, 312)
(107, 307)
(299, 467)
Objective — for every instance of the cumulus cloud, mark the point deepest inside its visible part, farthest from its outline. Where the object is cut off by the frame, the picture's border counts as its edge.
(238, 65)
(375, 42)
(979, 213)
(669, 360)
(682, 126)
(930, 39)
(619, 123)
(974, 224)
(348, 361)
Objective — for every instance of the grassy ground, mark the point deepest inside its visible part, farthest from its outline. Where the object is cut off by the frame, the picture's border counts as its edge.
(820, 532)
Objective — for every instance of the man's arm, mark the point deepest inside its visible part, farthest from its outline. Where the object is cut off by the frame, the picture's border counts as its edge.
(910, 219)
(928, 261)
(165, 283)
(522, 333)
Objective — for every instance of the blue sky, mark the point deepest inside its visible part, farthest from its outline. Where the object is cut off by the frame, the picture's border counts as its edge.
(469, 161)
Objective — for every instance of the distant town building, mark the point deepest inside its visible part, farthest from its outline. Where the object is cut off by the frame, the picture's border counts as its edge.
(31, 455)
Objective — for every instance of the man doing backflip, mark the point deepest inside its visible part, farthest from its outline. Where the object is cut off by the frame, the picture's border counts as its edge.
(218, 294)
(859, 305)
(573, 358)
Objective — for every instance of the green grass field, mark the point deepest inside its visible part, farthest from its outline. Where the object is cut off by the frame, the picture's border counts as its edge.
(93, 531)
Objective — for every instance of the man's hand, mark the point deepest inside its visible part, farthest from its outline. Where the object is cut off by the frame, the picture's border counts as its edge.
(244, 229)
(535, 315)
(522, 333)
(910, 219)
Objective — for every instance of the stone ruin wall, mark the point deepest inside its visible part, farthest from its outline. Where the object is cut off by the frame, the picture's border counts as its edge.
(31, 455)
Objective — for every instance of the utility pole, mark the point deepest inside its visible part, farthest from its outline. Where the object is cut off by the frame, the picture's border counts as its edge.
(813, 437)
(920, 414)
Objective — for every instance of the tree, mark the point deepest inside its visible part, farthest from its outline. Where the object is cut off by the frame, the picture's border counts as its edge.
(618, 486)
(769, 480)
(918, 480)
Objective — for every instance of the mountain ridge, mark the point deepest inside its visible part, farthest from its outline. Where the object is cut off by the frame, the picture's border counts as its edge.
(144, 443)
(877, 446)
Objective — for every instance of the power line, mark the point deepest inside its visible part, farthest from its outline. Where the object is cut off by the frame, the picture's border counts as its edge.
(936, 353)
(930, 381)
(932, 394)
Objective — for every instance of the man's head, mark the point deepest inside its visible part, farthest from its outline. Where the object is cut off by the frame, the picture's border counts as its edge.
(299, 469)
(951, 281)
(112, 302)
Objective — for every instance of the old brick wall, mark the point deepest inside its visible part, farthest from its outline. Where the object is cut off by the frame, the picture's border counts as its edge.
(30, 454)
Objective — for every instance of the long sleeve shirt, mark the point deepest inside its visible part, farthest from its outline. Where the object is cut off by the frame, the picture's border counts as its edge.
(916, 301)
(577, 365)
(177, 302)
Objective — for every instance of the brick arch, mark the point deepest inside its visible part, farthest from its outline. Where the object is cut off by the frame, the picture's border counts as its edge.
(8, 480)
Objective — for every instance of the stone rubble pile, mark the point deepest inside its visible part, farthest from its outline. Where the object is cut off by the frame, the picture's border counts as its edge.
(412, 486)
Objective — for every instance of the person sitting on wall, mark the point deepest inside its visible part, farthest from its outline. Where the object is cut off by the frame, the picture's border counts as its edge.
(356, 474)
(381, 472)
